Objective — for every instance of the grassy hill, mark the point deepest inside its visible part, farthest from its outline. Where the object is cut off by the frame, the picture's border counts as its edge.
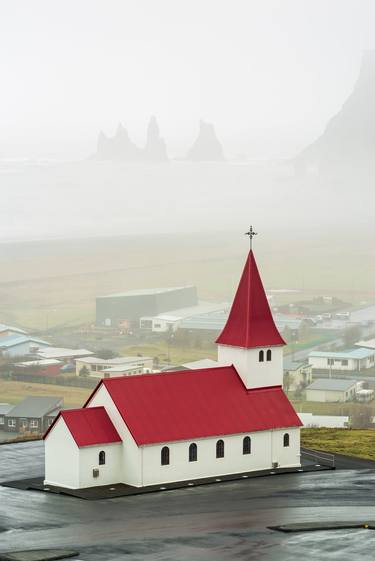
(351, 442)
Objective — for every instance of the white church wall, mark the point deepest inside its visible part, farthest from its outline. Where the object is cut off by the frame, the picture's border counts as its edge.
(286, 456)
(110, 472)
(61, 457)
(254, 374)
(207, 465)
(131, 454)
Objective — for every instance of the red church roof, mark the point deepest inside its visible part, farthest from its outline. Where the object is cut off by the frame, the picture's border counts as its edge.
(88, 426)
(186, 405)
(250, 323)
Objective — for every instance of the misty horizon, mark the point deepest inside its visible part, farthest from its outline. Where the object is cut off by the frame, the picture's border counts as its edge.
(254, 72)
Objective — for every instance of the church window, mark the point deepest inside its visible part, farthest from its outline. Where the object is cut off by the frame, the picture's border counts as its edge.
(220, 449)
(165, 456)
(261, 356)
(102, 458)
(286, 440)
(246, 445)
(269, 355)
(193, 452)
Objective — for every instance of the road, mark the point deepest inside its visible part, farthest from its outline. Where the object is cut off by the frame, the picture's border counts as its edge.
(220, 522)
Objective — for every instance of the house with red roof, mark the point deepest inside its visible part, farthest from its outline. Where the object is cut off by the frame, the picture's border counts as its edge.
(179, 426)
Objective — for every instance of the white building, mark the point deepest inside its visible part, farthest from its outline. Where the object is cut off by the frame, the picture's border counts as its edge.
(310, 420)
(120, 366)
(331, 389)
(355, 359)
(170, 321)
(178, 426)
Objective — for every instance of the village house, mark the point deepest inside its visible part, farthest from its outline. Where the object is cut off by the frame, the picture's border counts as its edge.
(109, 368)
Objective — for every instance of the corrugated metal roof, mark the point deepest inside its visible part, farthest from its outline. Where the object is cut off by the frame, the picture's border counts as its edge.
(250, 322)
(13, 340)
(145, 291)
(35, 406)
(331, 384)
(88, 426)
(192, 404)
(352, 353)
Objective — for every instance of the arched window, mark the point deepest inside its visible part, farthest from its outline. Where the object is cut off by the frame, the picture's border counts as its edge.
(269, 355)
(102, 458)
(246, 445)
(193, 452)
(164, 456)
(261, 356)
(286, 440)
(220, 449)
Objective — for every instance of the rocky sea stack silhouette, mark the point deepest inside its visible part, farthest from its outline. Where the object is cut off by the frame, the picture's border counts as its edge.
(121, 148)
(207, 146)
(349, 138)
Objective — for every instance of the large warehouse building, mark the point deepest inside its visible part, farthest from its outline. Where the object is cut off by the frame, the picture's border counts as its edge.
(126, 308)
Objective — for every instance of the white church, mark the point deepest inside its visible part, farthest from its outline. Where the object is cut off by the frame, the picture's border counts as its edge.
(179, 426)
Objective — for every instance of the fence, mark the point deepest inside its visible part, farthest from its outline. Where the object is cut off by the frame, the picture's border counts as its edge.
(318, 457)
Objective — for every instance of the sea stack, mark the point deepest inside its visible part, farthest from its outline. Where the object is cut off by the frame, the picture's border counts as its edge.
(155, 149)
(118, 147)
(207, 146)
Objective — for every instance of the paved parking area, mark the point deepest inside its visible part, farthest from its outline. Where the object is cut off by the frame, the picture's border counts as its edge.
(223, 522)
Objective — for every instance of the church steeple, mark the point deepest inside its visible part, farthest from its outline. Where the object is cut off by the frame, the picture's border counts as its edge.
(250, 323)
(250, 339)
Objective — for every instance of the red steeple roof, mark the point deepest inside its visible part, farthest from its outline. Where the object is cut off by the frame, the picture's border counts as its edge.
(250, 323)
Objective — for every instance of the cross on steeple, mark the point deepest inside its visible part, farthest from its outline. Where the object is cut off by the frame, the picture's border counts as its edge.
(251, 234)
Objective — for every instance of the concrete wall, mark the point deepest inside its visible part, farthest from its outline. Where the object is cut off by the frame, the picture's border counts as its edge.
(254, 374)
(61, 457)
(266, 447)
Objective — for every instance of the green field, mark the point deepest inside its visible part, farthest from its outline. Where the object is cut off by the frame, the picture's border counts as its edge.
(13, 392)
(351, 442)
(54, 283)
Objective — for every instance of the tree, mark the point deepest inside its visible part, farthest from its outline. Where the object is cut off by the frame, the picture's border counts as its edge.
(106, 354)
(287, 381)
(351, 335)
(84, 372)
(361, 417)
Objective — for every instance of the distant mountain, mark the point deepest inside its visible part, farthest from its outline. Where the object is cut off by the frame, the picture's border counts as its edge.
(207, 146)
(121, 148)
(349, 137)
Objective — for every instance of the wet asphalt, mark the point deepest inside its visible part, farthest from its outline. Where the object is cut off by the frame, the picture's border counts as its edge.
(221, 522)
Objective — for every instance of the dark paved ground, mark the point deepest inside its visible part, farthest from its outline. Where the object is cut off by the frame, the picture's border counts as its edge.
(220, 522)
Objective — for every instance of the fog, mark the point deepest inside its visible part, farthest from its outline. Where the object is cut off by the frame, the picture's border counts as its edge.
(269, 74)
(241, 89)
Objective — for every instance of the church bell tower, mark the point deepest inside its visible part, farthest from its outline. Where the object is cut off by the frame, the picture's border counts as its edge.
(250, 339)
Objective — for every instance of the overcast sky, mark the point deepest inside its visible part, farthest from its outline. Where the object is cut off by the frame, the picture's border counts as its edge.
(268, 73)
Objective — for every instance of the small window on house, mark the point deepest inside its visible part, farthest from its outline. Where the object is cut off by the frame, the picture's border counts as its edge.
(193, 452)
(286, 440)
(330, 361)
(165, 456)
(11, 422)
(246, 445)
(269, 355)
(344, 362)
(220, 449)
(261, 356)
(102, 458)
